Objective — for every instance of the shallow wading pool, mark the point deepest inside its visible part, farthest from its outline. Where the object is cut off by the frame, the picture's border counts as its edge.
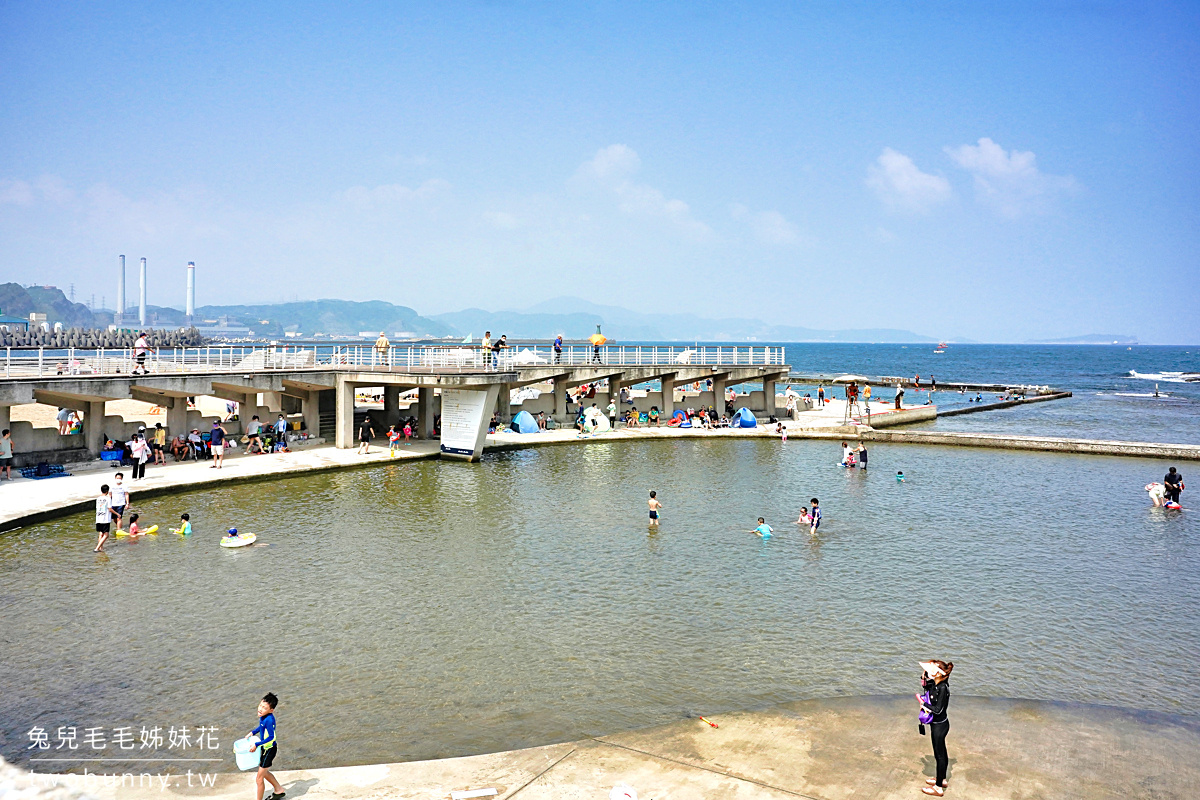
(435, 608)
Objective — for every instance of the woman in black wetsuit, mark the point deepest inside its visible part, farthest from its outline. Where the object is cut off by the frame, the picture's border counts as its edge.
(936, 684)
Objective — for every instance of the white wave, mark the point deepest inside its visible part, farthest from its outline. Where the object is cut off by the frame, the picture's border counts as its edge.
(1165, 377)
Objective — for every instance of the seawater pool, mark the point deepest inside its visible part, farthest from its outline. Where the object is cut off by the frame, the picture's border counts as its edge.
(433, 608)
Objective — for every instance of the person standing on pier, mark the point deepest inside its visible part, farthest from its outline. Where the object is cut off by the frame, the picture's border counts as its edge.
(497, 346)
(899, 396)
(382, 345)
(140, 349)
(558, 349)
(486, 346)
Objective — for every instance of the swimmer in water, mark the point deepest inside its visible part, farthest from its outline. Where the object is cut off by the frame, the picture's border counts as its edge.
(814, 517)
(655, 507)
(899, 477)
(763, 529)
(804, 519)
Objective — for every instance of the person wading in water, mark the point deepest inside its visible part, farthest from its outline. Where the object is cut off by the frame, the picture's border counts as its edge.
(935, 699)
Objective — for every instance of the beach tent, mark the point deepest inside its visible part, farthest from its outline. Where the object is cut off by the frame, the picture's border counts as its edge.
(524, 423)
(743, 419)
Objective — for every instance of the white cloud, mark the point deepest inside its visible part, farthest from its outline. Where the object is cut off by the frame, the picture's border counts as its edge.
(613, 163)
(613, 168)
(501, 220)
(47, 187)
(902, 186)
(392, 193)
(769, 227)
(1010, 182)
(18, 193)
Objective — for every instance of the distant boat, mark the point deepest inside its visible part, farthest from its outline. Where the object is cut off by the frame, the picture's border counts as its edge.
(941, 348)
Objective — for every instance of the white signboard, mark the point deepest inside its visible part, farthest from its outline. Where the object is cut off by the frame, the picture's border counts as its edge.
(462, 417)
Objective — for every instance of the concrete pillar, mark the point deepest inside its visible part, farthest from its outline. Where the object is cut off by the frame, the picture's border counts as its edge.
(391, 405)
(719, 393)
(614, 396)
(310, 406)
(560, 399)
(272, 401)
(248, 408)
(769, 396)
(93, 428)
(5, 418)
(668, 397)
(504, 403)
(425, 412)
(176, 415)
(345, 413)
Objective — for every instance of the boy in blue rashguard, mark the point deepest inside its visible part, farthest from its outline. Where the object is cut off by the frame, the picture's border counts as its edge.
(269, 747)
(764, 530)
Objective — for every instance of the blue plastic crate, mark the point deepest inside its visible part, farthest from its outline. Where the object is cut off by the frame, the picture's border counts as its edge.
(110, 455)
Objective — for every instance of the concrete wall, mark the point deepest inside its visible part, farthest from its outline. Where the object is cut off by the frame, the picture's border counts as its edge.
(34, 445)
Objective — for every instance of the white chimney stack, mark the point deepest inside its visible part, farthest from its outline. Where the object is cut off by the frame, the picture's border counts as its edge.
(191, 291)
(120, 311)
(142, 302)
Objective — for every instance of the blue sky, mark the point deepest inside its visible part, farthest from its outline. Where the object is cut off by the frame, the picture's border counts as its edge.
(1002, 173)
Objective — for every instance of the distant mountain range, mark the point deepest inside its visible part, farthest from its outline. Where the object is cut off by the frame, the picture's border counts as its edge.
(572, 317)
(576, 318)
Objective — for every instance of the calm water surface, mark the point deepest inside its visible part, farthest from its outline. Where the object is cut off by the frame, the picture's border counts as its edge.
(437, 609)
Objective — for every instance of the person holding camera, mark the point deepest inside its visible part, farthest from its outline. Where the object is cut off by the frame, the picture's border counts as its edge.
(935, 700)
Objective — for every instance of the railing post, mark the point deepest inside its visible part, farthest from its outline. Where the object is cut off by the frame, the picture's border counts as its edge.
(41, 355)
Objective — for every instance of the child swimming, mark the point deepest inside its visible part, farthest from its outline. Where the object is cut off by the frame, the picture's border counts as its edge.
(185, 526)
(655, 507)
(763, 529)
(804, 519)
(899, 477)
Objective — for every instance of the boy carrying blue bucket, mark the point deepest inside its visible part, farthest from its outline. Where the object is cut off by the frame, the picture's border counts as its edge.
(267, 745)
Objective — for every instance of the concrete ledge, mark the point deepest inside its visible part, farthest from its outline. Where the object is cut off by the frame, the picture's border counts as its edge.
(905, 416)
(1043, 443)
(977, 407)
(861, 747)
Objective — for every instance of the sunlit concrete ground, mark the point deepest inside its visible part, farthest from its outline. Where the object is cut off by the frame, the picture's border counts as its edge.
(824, 749)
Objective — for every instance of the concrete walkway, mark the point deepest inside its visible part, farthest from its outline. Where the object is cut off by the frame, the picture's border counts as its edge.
(24, 501)
(824, 749)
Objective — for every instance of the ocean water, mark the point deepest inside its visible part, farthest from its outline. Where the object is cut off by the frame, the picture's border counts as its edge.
(1108, 402)
(432, 609)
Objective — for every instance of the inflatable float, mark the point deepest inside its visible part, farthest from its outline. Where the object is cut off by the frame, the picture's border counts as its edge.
(151, 529)
(235, 539)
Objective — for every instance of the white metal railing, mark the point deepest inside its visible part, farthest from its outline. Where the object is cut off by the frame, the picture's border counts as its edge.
(47, 362)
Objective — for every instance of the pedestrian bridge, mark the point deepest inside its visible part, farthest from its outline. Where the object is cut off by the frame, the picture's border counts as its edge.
(319, 382)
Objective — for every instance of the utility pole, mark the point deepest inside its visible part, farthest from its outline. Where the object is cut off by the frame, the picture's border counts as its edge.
(72, 293)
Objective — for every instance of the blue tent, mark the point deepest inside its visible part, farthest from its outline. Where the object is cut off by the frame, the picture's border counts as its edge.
(743, 419)
(524, 423)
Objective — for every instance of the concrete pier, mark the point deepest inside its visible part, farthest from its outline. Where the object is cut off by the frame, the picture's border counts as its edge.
(837, 749)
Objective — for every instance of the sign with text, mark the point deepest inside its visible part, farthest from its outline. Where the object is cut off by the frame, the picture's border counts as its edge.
(463, 412)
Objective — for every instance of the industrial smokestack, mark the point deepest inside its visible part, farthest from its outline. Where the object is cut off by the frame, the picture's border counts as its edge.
(120, 312)
(142, 301)
(191, 289)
